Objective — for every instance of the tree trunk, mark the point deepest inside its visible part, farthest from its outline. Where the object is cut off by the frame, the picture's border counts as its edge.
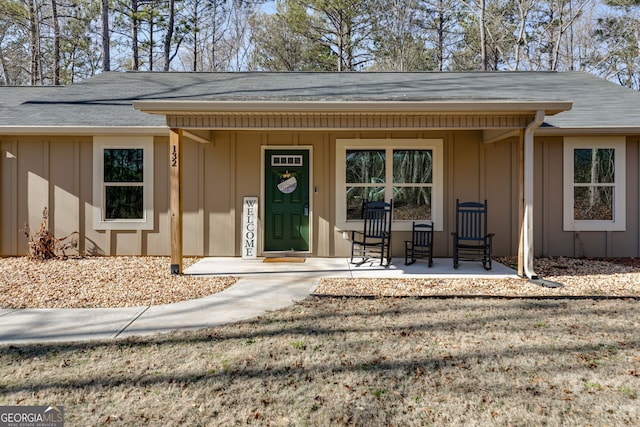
(34, 39)
(522, 13)
(106, 48)
(56, 43)
(3, 63)
(483, 35)
(196, 20)
(441, 35)
(151, 29)
(169, 35)
(134, 35)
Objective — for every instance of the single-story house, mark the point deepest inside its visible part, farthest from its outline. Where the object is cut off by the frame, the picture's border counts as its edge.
(253, 164)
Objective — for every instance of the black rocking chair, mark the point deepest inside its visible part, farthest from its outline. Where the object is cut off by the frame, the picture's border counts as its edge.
(421, 244)
(471, 242)
(375, 238)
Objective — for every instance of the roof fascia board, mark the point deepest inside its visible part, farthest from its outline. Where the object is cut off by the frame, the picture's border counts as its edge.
(470, 106)
(84, 130)
(568, 131)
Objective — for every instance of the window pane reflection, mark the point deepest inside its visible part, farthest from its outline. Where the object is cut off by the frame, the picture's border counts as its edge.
(594, 165)
(593, 203)
(413, 166)
(365, 166)
(123, 165)
(124, 203)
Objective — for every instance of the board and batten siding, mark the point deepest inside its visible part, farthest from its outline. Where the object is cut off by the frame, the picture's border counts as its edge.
(57, 172)
(550, 238)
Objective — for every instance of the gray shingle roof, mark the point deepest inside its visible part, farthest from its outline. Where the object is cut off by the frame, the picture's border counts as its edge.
(105, 100)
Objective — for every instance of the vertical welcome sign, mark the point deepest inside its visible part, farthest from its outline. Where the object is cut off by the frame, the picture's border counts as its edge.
(250, 228)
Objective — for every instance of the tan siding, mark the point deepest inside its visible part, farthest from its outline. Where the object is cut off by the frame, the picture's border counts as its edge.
(58, 173)
(319, 228)
(9, 197)
(157, 241)
(622, 244)
(192, 219)
(92, 242)
(550, 239)
(500, 178)
(125, 242)
(65, 181)
(465, 175)
(33, 185)
(219, 197)
(462, 181)
(247, 176)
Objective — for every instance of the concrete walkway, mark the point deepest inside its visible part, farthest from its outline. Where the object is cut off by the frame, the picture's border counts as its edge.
(261, 287)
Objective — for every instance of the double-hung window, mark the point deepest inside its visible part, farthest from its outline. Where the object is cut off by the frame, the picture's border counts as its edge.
(409, 171)
(123, 183)
(594, 184)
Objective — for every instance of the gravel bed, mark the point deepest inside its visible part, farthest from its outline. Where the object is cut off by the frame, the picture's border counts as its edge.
(138, 281)
(619, 277)
(99, 282)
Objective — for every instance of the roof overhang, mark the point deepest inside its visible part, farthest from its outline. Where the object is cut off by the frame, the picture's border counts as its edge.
(83, 130)
(435, 106)
(601, 130)
(352, 115)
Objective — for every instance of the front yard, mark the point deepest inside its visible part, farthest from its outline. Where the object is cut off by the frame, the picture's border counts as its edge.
(355, 361)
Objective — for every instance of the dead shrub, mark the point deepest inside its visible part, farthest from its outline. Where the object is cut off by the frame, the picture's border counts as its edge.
(44, 245)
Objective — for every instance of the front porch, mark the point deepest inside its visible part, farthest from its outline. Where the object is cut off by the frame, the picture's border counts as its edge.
(342, 268)
(329, 126)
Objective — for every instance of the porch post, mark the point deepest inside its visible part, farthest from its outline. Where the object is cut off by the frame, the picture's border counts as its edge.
(521, 204)
(175, 203)
(527, 215)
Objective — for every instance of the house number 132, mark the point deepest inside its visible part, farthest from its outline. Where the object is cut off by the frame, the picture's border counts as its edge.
(174, 157)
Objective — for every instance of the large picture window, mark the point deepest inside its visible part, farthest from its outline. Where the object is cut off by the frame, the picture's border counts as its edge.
(123, 183)
(407, 171)
(594, 184)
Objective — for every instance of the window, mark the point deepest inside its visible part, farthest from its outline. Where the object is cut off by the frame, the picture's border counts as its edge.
(407, 171)
(123, 183)
(594, 184)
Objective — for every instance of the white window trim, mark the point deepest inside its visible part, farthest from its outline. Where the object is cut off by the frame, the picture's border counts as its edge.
(342, 145)
(100, 143)
(618, 143)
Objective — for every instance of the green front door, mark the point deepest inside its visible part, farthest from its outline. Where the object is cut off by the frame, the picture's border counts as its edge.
(286, 210)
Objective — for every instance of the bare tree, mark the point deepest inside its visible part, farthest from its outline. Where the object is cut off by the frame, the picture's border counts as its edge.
(56, 42)
(34, 42)
(106, 36)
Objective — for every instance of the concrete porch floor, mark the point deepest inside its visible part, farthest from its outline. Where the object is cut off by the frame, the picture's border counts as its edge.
(341, 267)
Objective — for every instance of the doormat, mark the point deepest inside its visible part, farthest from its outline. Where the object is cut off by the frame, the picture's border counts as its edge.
(284, 259)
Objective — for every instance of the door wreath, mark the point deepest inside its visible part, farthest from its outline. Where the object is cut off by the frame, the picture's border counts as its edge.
(287, 182)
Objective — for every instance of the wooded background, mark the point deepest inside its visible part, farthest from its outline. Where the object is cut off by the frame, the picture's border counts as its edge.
(65, 41)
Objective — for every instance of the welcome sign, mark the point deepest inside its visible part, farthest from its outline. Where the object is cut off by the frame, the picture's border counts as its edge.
(250, 228)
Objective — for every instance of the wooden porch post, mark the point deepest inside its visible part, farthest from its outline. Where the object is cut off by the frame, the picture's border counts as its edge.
(175, 203)
(521, 204)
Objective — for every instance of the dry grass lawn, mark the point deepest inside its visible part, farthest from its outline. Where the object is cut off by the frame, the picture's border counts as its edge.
(356, 361)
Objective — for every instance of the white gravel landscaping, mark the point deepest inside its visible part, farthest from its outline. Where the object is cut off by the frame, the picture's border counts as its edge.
(138, 281)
